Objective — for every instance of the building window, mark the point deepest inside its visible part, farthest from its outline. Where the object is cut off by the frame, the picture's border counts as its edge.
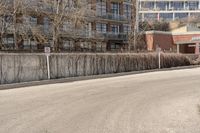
(115, 29)
(114, 46)
(115, 7)
(46, 24)
(163, 5)
(147, 5)
(29, 44)
(68, 45)
(101, 27)
(8, 42)
(127, 11)
(127, 28)
(181, 15)
(166, 16)
(150, 16)
(101, 8)
(178, 5)
(193, 5)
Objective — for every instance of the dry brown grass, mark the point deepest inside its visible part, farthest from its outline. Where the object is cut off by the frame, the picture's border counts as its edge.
(83, 64)
(194, 59)
(174, 60)
(80, 64)
(197, 61)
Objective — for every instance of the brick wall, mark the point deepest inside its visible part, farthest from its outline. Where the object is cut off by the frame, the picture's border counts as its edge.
(168, 41)
(165, 41)
(188, 37)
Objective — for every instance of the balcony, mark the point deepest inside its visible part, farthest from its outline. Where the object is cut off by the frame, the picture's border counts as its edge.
(114, 17)
(115, 36)
(168, 5)
(69, 33)
(80, 33)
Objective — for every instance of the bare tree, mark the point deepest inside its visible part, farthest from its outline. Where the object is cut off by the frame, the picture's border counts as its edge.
(60, 11)
(132, 38)
(20, 7)
(4, 20)
(57, 11)
(31, 32)
(23, 29)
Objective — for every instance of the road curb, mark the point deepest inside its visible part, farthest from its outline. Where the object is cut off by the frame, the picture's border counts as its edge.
(73, 79)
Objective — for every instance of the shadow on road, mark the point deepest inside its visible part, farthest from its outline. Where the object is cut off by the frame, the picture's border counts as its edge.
(198, 107)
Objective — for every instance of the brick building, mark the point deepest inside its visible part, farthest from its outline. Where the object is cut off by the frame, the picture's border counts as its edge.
(107, 30)
(182, 40)
(113, 21)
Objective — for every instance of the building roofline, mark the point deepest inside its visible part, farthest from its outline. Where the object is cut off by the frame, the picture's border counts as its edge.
(158, 32)
(172, 33)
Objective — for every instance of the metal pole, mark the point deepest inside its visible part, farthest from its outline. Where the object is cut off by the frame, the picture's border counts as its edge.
(159, 59)
(48, 67)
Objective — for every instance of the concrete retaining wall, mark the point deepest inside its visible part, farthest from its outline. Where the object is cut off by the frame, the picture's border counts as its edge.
(16, 68)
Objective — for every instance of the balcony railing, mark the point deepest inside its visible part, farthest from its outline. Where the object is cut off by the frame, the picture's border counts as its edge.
(169, 9)
(114, 17)
(116, 36)
(70, 33)
(80, 33)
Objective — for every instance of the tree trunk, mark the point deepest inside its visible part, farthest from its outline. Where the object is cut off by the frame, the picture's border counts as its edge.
(135, 21)
(55, 40)
(15, 26)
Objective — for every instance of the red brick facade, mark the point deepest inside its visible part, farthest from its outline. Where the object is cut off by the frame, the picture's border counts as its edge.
(167, 41)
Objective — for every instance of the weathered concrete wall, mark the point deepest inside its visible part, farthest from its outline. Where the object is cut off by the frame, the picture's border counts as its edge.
(32, 67)
(22, 68)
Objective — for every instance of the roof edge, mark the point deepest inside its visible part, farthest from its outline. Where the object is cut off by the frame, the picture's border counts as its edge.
(172, 33)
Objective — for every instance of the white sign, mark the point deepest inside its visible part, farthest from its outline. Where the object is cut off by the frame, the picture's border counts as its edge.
(47, 50)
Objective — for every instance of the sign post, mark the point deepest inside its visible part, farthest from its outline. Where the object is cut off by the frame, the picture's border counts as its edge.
(47, 51)
(197, 49)
(159, 57)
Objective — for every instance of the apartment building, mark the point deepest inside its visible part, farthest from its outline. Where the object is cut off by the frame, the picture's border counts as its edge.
(107, 30)
(168, 10)
(113, 21)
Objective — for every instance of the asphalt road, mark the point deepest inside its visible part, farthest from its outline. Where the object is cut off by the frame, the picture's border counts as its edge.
(157, 102)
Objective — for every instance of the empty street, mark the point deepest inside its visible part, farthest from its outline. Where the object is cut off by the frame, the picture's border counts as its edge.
(157, 102)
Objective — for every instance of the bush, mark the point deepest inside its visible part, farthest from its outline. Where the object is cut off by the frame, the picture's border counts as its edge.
(94, 64)
(31, 67)
(156, 25)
